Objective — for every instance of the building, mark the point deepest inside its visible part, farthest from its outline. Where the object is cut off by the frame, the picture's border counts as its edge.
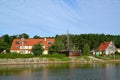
(106, 48)
(24, 46)
(118, 50)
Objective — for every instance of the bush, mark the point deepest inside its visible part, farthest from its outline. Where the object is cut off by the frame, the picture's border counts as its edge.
(37, 49)
(55, 57)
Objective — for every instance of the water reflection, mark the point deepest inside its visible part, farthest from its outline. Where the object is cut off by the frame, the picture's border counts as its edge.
(71, 71)
(109, 72)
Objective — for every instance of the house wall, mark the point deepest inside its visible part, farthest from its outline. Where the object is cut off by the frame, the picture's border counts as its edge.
(118, 50)
(17, 51)
(45, 52)
(111, 49)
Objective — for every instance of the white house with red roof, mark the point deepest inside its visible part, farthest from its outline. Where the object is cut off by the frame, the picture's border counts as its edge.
(106, 48)
(24, 46)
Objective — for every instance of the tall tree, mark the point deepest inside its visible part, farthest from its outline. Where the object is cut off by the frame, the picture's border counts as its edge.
(6, 42)
(3, 45)
(56, 47)
(6, 38)
(86, 49)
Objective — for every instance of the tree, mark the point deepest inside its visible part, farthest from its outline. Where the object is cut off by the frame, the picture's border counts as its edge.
(3, 45)
(6, 38)
(56, 47)
(86, 49)
(37, 49)
(6, 42)
(36, 37)
(24, 35)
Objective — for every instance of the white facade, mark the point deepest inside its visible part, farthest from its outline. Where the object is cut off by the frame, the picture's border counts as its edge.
(111, 49)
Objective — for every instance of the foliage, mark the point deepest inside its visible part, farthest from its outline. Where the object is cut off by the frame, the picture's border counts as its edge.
(56, 47)
(93, 40)
(3, 45)
(86, 49)
(24, 35)
(55, 57)
(16, 55)
(37, 49)
(36, 37)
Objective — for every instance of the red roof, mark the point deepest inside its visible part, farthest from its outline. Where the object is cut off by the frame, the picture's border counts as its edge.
(103, 46)
(30, 42)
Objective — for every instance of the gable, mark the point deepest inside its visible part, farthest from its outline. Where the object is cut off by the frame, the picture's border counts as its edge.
(103, 46)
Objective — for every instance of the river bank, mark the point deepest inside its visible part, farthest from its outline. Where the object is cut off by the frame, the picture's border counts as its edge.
(38, 60)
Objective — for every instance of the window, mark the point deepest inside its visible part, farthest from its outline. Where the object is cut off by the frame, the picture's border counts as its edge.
(49, 42)
(17, 42)
(16, 46)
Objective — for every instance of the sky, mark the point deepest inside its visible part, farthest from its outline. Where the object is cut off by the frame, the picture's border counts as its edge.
(51, 17)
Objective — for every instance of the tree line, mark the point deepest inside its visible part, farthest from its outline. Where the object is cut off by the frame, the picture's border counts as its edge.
(76, 41)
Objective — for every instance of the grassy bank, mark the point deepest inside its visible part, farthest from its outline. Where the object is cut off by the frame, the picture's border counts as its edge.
(16, 55)
(55, 57)
(13, 58)
(109, 57)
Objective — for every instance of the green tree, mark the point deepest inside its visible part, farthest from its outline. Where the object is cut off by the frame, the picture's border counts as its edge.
(86, 49)
(56, 47)
(3, 45)
(6, 42)
(6, 38)
(37, 49)
(36, 37)
(24, 35)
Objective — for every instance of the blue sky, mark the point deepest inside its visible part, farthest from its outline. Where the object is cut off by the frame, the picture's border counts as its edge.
(51, 17)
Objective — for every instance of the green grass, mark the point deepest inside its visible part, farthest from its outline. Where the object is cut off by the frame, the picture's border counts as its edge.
(50, 57)
(84, 57)
(16, 55)
(55, 57)
(108, 57)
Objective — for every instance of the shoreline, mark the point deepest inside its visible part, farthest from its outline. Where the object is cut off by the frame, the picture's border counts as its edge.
(25, 61)
(22, 61)
(50, 62)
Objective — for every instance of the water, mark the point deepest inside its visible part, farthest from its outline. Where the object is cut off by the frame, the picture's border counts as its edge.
(69, 71)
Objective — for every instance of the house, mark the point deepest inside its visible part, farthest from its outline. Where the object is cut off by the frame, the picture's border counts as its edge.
(118, 50)
(106, 48)
(24, 46)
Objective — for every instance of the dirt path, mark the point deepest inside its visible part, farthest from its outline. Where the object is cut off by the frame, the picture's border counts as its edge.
(96, 59)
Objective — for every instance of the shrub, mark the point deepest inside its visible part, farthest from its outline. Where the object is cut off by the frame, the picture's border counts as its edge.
(37, 49)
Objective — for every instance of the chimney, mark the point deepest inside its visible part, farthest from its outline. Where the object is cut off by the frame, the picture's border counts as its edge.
(44, 39)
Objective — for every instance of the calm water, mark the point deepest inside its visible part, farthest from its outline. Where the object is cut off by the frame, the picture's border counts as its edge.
(60, 72)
